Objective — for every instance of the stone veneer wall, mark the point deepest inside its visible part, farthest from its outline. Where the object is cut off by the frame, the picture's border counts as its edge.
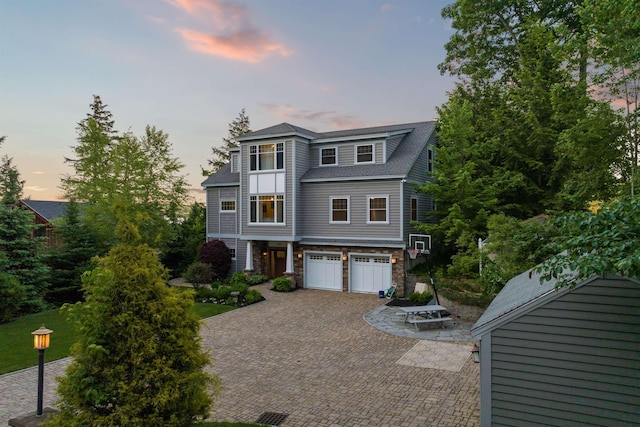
(397, 269)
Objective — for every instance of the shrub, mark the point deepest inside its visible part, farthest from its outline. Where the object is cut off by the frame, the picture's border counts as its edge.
(217, 255)
(238, 278)
(12, 296)
(224, 292)
(420, 298)
(198, 273)
(205, 294)
(256, 279)
(253, 296)
(281, 284)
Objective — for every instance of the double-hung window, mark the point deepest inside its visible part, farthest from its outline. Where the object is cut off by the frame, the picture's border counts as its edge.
(328, 156)
(267, 209)
(339, 207)
(430, 160)
(364, 153)
(378, 209)
(266, 157)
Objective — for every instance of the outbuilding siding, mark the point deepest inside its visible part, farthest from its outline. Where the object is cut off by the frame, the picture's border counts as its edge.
(573, 361)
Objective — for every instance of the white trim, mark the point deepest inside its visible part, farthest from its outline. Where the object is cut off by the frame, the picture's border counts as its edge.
(373, 154)
(485, 381)
(275, 210)
(377, 196)
(378, 135)
(235, 205)
(320, 164)
(331, 199)
(358, 178)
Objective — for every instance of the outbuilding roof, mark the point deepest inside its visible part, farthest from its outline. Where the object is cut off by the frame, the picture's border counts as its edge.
(520, 295)
(47, 209)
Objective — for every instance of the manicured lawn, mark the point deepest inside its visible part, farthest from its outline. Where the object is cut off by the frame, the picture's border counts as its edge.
(16, 341)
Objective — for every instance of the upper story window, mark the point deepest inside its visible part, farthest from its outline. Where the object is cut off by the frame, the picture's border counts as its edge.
(378, 209)
(266, 157)
(228, 206)
(339, 207)
(430, 160)
(329, 156)
(364, 153)
(267, 209)
(234, 163)
(414, 209)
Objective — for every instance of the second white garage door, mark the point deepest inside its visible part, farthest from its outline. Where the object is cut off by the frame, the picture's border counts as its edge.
(370, 273)
(323, 271)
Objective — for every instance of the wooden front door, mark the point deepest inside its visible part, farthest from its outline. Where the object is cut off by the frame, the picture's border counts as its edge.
(277, 262)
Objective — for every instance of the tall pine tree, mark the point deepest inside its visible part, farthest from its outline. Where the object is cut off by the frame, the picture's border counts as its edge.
(239, 126)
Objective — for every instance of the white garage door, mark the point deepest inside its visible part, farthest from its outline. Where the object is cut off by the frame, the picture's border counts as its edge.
(323, 271)
(370, 274)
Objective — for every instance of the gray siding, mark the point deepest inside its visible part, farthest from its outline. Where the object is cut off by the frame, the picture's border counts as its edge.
(418, 172)
(573, 361)
(303, 162)
(392, 144)
(315, 206)
(213, 202)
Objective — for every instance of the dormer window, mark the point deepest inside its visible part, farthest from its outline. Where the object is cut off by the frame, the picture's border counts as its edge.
(328, 156)
(266, 157)
(364, 153)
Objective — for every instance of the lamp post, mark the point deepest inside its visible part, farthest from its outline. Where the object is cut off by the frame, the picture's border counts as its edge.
(41, 343)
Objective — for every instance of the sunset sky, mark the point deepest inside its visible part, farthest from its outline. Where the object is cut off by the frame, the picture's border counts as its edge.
(189, 66)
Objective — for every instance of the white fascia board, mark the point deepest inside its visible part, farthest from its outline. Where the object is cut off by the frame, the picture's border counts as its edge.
(356, 178)
(275, 135)
(382, 135)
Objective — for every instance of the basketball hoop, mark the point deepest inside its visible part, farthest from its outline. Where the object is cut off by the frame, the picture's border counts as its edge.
(413, 253)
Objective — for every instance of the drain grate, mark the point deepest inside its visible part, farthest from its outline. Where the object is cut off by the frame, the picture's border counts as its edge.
(272, 418)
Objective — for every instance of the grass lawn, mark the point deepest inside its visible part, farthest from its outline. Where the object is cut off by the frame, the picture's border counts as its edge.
(16, 341)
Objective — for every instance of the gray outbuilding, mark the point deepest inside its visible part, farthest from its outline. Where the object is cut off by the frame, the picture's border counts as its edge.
(561, 356)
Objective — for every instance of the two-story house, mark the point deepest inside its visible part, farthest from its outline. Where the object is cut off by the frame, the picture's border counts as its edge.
(334, 210)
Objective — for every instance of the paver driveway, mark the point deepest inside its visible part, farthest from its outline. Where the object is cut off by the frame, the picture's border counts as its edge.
(310, 354)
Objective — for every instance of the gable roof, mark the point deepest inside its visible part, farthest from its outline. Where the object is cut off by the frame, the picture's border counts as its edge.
(47, 209)
(414, 138)
(397, 165)
(521, 295)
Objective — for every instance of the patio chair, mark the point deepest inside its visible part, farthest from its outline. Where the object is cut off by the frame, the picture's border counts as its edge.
(389, 293)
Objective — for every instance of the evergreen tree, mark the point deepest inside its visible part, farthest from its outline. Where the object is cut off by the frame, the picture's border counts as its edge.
(139, 361)
(137, 174)
(68, 262)
(239, 126)
(20, 255)
(189, 236)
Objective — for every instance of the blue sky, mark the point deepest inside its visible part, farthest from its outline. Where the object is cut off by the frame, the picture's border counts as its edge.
(189, 66)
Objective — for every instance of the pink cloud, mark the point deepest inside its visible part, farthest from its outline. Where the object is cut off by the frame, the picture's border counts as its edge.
(326, 118)
(234, 37)
(246, 45)
(386, 7)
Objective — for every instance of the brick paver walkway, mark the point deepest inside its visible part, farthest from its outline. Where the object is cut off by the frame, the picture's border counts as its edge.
(308, 354)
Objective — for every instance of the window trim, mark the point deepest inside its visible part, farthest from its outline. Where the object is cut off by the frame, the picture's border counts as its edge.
(277, 198)
(348, 199)
(378, 196)
(235, 205)
(373, 154)
(278, 157)
(335, 155)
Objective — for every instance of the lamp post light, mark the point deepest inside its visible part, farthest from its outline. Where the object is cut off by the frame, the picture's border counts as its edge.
(41, 338)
